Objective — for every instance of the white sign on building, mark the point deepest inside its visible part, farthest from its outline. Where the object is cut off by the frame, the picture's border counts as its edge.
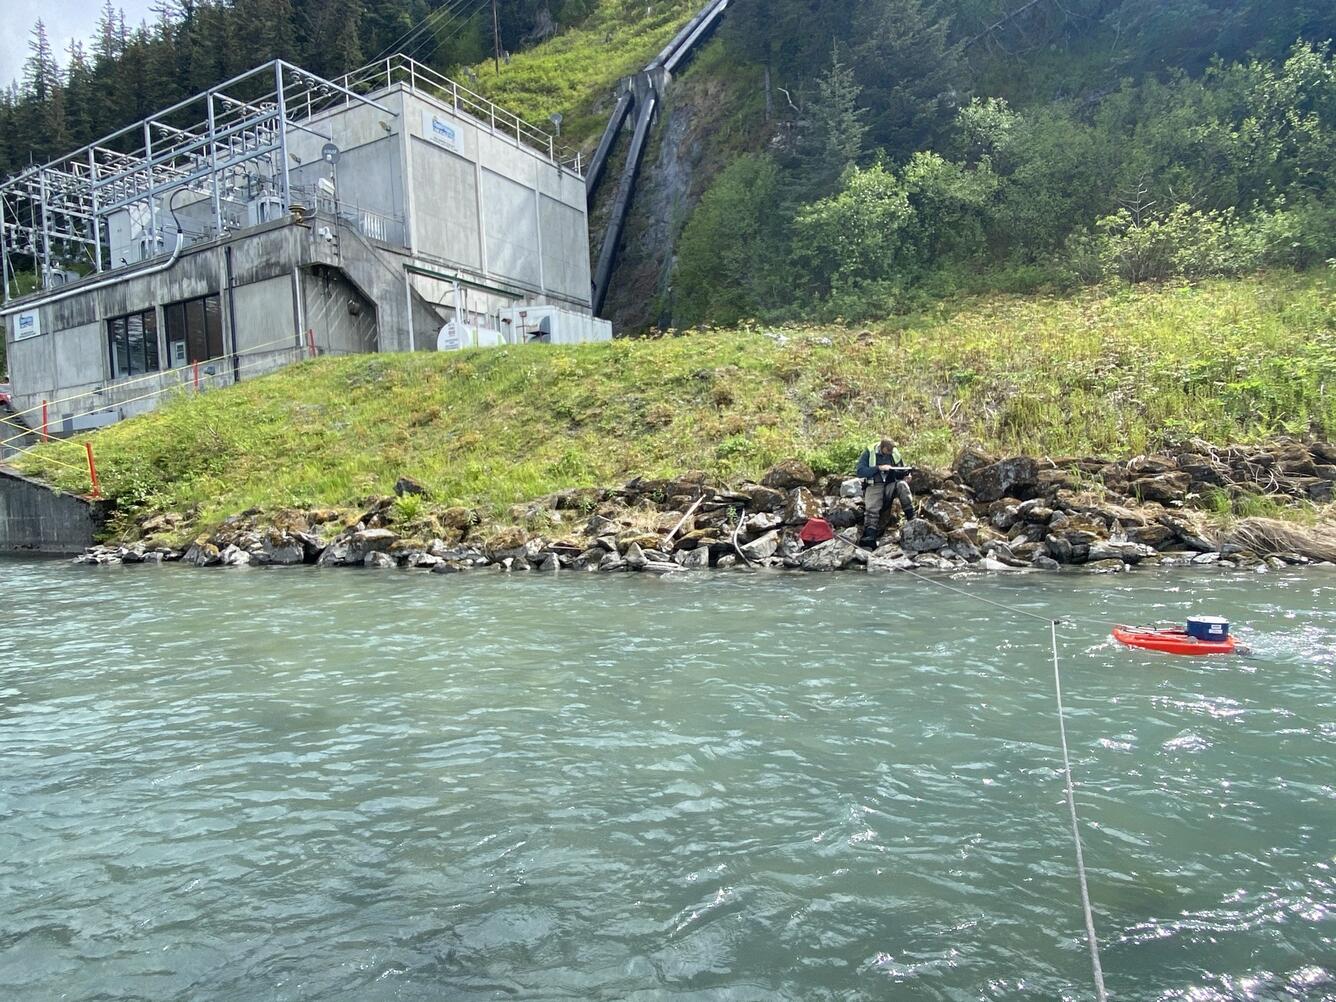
(441, 131)
(26, 325)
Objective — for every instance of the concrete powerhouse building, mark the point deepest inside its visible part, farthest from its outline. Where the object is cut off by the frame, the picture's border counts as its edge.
(392, 210)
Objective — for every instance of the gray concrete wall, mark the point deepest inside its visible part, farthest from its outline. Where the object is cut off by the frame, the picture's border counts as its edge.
(446, 223)
(35, 518)
(342, 319)
(477, 200)
(511, 229)
(565, 273)
(67, 363)
(265, 319)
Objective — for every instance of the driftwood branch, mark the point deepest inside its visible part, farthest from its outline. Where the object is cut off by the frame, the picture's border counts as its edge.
(683, 520)
(736, 548)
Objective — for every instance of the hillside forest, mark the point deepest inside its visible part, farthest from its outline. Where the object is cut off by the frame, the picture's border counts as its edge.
(887, 152)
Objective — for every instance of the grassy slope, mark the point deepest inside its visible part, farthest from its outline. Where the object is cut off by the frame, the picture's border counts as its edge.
(1109, 372)
(574, 72)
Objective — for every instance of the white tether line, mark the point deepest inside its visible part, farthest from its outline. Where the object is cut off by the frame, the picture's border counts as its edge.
(1076, 830)
(1100, 992)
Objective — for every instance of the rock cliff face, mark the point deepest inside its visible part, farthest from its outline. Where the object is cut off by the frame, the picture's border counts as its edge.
(703, 123)
(989, 513)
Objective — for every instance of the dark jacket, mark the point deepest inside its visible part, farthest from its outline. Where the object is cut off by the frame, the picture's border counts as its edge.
(872, 457)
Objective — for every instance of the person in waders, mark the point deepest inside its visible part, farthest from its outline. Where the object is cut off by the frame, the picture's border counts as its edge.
(885, 478)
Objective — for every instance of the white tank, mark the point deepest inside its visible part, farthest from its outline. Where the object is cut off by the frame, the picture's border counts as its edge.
(454, 336)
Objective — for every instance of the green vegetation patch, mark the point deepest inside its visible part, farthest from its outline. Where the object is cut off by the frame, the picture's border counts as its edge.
(1112, 372)
(575, 71)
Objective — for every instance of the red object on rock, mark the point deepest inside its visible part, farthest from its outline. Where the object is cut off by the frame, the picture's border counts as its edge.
(817, 530)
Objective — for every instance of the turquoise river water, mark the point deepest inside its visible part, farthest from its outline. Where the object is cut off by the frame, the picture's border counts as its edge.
(338, 785)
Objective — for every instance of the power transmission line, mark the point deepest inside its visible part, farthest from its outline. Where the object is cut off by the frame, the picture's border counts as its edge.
(449, 7)
(437, 36)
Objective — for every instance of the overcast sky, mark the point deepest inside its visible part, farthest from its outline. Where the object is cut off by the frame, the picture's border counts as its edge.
(64, 19)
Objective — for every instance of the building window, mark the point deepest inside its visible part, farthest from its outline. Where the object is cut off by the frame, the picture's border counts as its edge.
(194, 330)
(133, 341)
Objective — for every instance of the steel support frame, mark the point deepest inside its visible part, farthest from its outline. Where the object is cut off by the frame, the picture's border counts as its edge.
(68, 201)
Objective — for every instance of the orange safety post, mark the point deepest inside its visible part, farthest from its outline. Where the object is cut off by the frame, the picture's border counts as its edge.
(92, 471)
(45, 436)
(196, 377)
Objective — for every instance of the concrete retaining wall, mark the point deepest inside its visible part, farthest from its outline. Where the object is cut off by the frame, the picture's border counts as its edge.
(35, 518)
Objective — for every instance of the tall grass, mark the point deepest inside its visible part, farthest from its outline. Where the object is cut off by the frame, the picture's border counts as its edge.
(575, 71)
(1110, 372)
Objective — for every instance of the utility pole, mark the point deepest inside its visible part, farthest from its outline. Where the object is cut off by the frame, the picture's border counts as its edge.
(496, 39)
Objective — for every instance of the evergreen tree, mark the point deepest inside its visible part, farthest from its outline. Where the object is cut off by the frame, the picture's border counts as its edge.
(162, 63)
(834, 129)
(79, 95)
(333, 43)
(909, 71)
(41, 75)
(269, 28)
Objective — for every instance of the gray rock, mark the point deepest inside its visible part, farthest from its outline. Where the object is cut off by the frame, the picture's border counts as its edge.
(448, 567)
(964, 548)
(1104, 551)
(284, 551)
(1177, 558)
(1166, 488)
(374, 540)
(335, 555)
(1105, 566)
(378, 559)
(851, 488)
(799, 506)
(762, 548)
(661, 567)
(889, 564)
(612, 562)
(789, 474)
(697, 559)
(761, 522)
(1001, 553)
(1059, 549)
(919, 536)
(832, 555)
(234, 556)
(201, 555)
(766, 499)
(725, 562)
(1206, 558)
(600, 526)
(1045, 562)
(549, 563)
(845, 514)
(635, 557)
(1016, 477)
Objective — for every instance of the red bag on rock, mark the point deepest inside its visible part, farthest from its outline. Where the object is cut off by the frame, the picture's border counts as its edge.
(817, 530)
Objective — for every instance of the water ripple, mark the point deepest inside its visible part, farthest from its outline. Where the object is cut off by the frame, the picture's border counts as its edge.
(321, 786)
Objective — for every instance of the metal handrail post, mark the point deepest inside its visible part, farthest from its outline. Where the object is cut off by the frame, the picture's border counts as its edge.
(4, 251)
(152, 201)
(97, 219)
(46, 232)
(283, 135)
(213, 169)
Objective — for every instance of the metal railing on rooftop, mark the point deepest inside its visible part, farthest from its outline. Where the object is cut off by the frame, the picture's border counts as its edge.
(498, 121)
